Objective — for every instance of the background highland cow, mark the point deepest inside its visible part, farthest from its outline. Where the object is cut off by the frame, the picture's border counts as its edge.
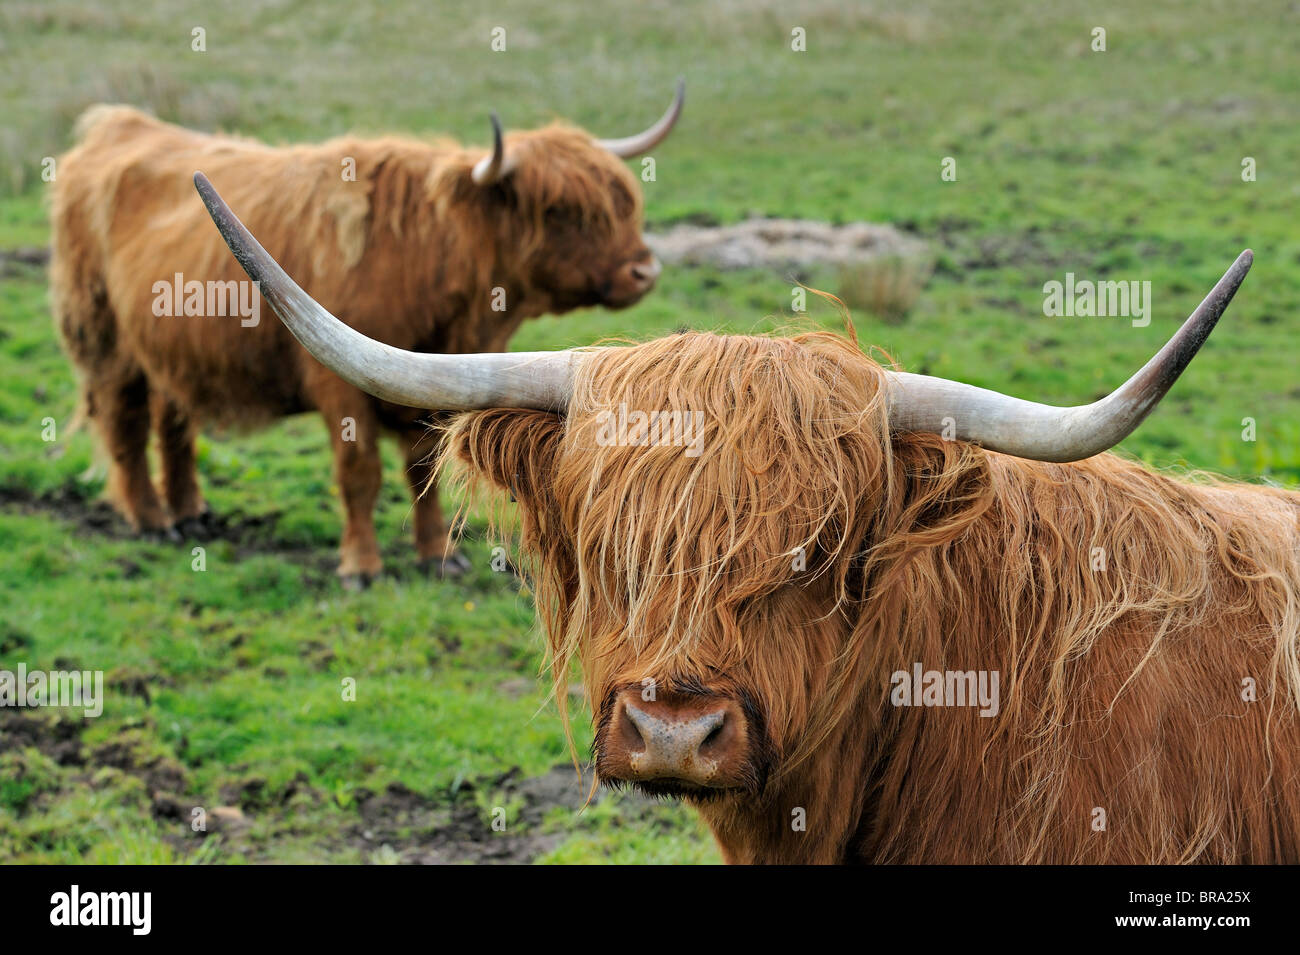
(426, 247)
(399, 723)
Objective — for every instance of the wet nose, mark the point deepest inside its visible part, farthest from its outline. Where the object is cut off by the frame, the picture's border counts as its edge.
(644, 274)
(699, 740)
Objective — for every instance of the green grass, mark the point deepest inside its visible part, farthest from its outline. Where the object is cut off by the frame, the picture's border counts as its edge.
(1124, 164)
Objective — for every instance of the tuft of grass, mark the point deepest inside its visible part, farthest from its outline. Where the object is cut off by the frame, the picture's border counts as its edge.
(887, 287)
(25, 774)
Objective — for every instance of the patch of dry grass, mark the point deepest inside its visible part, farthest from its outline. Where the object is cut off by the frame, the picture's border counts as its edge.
(887, 287)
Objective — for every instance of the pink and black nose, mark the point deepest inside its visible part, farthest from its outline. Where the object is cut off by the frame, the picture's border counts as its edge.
(686, 741)
(644, 274)
(634, 279)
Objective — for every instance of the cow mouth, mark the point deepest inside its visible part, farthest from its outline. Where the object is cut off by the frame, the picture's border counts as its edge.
(600, 295)
(606, 297)
(678, 790)
(749, 783)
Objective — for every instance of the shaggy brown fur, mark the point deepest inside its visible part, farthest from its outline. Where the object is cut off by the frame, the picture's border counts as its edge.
(1121, 689)
(409, 253)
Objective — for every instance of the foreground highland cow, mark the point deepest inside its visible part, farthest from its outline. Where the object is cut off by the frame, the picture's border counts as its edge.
(1147, 705)
(424, 247)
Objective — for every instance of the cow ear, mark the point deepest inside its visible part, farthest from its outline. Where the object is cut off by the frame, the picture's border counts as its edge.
(513, 449)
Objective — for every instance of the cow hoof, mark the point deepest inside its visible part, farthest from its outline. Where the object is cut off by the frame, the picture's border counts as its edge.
(447, 568)
(195, 528)
(161, 535)
(355, 583)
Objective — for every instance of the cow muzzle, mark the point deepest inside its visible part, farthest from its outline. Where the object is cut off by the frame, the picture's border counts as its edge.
(677, 744)
(632, 281)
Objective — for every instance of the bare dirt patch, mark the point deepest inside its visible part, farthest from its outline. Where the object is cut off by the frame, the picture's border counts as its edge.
(250, 532)
(782, 244)
(20, 261)
(410, 828)
(397, 825)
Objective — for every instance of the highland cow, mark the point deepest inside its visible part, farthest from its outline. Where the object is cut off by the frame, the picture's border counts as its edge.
(427, 247)
(751, 623)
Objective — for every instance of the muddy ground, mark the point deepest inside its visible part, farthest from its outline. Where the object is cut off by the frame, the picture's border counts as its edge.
(397, 825)
(248, 533)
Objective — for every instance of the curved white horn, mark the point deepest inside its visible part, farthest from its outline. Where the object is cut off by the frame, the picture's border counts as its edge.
(542, 380)
(496, 165)
(643, 142)
(1045, 433)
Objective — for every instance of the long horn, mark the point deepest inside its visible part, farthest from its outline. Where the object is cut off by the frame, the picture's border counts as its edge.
(1046, 433)
(541, 380)
(497, 166)
(630, 146)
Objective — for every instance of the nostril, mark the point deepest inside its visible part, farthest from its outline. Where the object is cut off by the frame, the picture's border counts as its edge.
(715, 734)
(646, 271)
(707, 731)
(629, 732)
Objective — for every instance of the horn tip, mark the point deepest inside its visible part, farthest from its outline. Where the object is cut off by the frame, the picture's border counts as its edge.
(1240, 267)
(208, 193)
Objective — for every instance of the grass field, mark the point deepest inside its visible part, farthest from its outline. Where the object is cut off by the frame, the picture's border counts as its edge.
(224, 685)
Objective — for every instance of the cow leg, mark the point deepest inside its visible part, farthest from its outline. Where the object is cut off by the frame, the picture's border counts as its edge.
(420, 446)
(180, 480)
(121, 414)
(354, 433)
